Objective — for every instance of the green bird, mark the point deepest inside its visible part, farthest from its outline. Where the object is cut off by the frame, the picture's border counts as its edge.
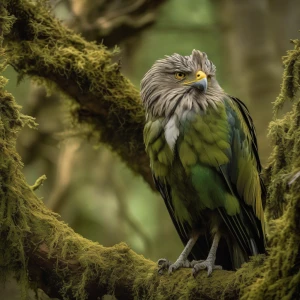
(203, 155)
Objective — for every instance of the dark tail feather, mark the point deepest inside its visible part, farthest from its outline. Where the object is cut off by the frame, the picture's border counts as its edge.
(238, 256)
(224, 255)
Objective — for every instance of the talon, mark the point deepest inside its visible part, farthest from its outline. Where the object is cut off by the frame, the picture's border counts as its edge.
(194, 273)
(161, 261)
(194, 262)
(160, 271)
(171, 269)
(163, 264)
(207, 264)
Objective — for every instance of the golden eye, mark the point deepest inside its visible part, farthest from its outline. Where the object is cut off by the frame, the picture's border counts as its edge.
(179, 75)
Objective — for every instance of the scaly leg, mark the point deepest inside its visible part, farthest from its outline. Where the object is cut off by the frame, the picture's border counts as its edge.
(209, 263)
(182, 261)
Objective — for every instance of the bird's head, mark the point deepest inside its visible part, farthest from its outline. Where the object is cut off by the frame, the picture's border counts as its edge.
(179, 80)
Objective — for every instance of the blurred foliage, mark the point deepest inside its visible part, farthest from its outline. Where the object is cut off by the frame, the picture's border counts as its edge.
(179, 29)
(91, 188)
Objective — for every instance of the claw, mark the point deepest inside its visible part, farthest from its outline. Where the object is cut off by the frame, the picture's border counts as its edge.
(162, 261)
(206, 264)
(163, 265)
(171, 269)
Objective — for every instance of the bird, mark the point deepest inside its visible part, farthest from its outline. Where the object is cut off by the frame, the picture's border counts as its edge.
(203, 154)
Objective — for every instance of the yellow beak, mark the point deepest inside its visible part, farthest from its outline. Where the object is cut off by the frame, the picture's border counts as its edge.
(200, 81)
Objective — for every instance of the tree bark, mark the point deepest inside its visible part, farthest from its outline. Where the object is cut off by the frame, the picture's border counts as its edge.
(45, 253)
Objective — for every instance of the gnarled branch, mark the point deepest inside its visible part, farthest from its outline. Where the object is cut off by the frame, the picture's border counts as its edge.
(102, 98)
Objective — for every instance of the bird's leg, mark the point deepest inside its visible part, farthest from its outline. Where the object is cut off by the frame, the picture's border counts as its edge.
(182, 261)
(209, 263)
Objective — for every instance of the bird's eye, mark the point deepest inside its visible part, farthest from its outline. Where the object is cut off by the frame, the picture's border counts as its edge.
(179, 75)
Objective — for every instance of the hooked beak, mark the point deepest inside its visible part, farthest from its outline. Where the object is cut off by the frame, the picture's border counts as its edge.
(200, 82)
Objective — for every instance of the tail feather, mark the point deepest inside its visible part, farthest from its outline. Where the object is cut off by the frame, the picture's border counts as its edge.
(238, 255)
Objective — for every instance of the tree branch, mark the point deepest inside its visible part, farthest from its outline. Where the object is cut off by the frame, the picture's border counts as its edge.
(103, 99)
(120, 271)
(112, 21)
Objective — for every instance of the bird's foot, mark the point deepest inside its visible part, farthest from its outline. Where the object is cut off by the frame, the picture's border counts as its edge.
(208, 264)
(165, 264)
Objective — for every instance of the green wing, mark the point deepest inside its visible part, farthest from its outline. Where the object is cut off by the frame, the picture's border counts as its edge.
(218, 150)
(244, 121)
(242, 174)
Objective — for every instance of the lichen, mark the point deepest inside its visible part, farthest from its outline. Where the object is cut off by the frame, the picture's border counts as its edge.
(14, 223)
(104, 105)
(38, 182)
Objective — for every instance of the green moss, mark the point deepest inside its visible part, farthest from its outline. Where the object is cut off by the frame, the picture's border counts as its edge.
(291, 77)
(38, 182)
(14, 223)
(104, 105)
(281, 275)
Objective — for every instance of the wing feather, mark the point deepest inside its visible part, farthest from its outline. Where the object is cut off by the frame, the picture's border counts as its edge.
(241, 173)
(243, 178)
(249, 123)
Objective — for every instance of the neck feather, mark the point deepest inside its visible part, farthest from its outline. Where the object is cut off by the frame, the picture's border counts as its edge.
(168, 103)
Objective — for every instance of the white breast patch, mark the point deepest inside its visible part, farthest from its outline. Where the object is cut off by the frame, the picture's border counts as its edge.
(172, 131)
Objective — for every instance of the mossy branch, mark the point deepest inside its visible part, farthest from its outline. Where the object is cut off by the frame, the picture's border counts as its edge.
(43, 252)
(35, 245)
(37, 45)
